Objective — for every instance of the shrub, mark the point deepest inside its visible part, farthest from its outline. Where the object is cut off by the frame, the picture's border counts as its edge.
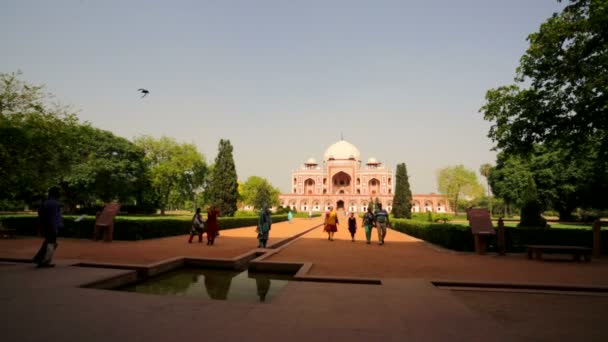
(589, 215)
(447, 235)
(460, 238)
(444, 218)
(127, 228)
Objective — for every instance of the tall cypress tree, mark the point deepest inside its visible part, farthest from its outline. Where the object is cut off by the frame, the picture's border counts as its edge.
(223, 186)
(402, 201)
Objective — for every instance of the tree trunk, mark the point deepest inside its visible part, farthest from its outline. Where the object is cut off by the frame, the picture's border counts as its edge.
(565, 215)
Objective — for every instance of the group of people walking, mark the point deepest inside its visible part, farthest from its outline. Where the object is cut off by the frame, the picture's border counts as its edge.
(378, 219)
(200, 226)
(51, 221)
(211, 226)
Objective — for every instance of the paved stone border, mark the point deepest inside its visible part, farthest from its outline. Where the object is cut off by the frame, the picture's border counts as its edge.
(519, 286)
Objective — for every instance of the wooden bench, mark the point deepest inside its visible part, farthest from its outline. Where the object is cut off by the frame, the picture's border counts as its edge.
(576, 251)
(6, 233)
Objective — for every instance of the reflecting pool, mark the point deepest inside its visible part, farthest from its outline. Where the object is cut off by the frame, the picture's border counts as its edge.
(213, 284)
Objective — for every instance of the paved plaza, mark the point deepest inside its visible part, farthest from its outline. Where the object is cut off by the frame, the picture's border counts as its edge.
(49, 304)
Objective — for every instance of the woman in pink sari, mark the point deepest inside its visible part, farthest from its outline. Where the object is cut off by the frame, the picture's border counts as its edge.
(213, 226)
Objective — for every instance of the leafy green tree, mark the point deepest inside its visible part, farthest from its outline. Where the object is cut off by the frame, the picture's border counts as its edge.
(248, 189)
(559, 98)
(173, 167)
(531, 208)
(560, 178)
(257, 191)
(107, 168)
(223, 185)
(457, 182)
(19, 97)
(267, 195)
(402, 201)
(509, 179)
(37, 140)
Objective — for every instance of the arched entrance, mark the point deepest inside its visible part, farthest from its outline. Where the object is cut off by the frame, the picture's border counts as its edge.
(340, 205)
(341, 183)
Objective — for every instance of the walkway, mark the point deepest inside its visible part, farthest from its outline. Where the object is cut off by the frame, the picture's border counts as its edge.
(229, 244)
(404, 256)
(47, 304)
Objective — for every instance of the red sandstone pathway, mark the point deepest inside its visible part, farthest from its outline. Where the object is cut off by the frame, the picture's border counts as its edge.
(406, 257)
(231, 243)
(401, 257)
(400, 309)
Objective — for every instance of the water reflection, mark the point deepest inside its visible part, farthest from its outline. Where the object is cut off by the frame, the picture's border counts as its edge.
(214, 284)
(263, 285)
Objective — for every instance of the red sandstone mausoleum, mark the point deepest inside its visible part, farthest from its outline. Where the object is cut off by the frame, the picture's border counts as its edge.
(343, 182)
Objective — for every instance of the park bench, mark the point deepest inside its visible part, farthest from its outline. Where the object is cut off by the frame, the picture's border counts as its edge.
(105, 222)
(576, 251)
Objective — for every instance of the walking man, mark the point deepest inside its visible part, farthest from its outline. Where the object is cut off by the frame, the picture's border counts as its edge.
(382, 222)
(51, 221)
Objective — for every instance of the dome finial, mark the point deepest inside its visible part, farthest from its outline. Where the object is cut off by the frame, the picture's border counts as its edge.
(341, 136)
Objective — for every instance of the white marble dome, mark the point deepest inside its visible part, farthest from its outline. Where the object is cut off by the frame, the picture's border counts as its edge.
(342, 150)
(311, 161)
(372, 160)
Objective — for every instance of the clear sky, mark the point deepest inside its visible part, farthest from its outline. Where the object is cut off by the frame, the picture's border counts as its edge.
(402, 80)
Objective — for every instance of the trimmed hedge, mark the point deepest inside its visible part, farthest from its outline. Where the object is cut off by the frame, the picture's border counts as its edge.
(452, 236)
(460, 238)
(126, 228)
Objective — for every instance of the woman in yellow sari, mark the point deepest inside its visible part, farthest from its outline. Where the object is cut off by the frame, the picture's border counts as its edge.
(331, 223)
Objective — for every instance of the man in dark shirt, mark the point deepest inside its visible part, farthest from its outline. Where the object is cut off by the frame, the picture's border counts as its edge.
(382, 222)
(51, 221)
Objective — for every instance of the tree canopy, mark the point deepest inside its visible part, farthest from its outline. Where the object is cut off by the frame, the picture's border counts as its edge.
(457, 182)
(560, 178)
(37, 140)
(43, 144)
(174, 167)
(258, 192)
(107, 167)
(560, 96)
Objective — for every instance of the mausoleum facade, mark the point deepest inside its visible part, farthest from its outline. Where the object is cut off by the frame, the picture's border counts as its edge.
(344, 182)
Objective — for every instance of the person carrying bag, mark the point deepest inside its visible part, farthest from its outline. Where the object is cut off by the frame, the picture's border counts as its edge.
(198, 226)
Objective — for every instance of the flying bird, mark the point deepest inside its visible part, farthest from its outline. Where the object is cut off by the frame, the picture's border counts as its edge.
(143, 91)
